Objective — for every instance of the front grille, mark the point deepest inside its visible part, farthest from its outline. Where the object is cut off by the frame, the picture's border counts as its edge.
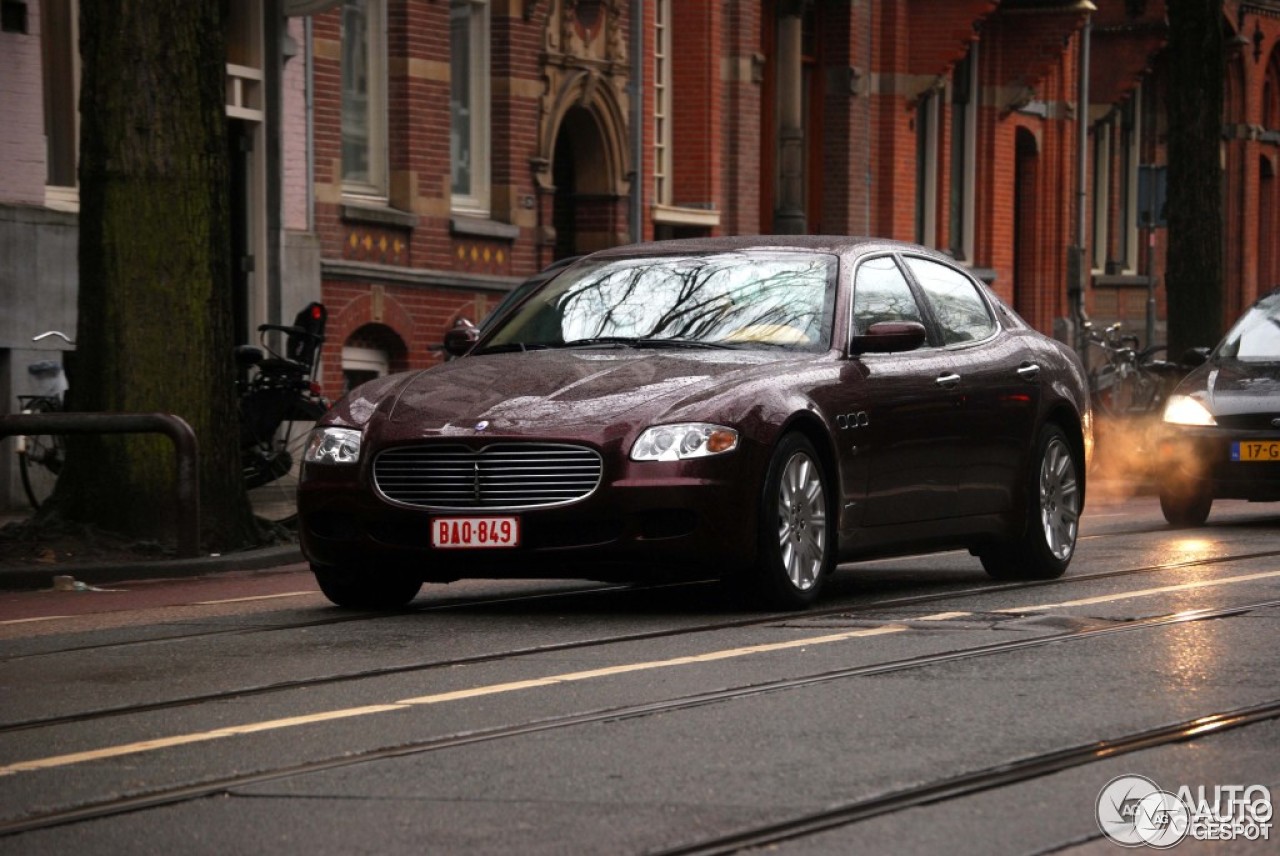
(504, 475)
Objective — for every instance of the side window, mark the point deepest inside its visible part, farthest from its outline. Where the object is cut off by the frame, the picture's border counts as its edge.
(881, 293)
(961, 312)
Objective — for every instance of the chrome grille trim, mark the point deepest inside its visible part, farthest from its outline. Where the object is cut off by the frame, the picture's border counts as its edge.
(500, 476)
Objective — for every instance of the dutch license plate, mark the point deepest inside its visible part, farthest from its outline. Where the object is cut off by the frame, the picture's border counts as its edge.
(1256, 450)
(460, 533)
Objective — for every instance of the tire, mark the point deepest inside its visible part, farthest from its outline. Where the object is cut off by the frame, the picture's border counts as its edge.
(40, 457)
(368, 591)
(796, 531)
(1044, 548)
(1185, 504)
(277, 499)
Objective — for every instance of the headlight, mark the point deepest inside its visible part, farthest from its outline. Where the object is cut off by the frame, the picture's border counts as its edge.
(333, 446)
(1185, 410)
(677, 442)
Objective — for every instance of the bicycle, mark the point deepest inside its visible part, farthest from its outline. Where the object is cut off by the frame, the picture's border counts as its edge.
(41, 456)
(1132, 382)
(279, 403)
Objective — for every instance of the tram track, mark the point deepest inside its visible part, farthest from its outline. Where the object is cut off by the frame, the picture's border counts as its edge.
(809, 823)
(874, 606)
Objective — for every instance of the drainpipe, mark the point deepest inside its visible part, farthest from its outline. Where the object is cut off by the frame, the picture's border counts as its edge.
(309, 86)
(1076, 255)
(637, 121)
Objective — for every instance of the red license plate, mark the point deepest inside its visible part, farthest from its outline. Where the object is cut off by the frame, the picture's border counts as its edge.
(461, 533)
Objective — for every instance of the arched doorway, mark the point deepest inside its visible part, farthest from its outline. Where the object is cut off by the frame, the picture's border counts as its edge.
(585, 209)
(1026, 299)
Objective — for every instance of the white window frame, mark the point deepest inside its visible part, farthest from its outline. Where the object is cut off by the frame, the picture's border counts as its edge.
(476, 200)
(374, 185)
(662, 103)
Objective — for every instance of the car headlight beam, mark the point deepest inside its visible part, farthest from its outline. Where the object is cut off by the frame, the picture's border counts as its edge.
(1185, 410)
(331, 445)
(683, 441)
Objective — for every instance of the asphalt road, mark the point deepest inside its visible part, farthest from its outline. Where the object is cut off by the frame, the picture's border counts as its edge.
(921, 708)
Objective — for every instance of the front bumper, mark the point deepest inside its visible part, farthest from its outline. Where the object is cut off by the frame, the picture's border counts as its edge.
(1203, 457)
(649, 521)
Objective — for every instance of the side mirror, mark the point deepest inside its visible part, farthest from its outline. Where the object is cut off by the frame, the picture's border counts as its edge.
(460, 339)
(1194, 357)
(889, 337)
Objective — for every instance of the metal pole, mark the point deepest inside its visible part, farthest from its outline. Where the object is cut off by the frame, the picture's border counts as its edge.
(186, 453)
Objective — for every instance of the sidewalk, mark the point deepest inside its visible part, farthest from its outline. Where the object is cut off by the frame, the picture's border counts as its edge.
(40, 575)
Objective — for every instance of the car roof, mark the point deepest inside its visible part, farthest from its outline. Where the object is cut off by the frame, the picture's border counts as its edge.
(839, 244)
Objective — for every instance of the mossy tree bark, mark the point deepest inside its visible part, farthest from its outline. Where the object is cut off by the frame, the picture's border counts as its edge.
(1194, 263)
(155, 307)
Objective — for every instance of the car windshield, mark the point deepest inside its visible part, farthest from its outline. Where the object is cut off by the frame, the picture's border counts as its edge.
(1256, 336)
(722, 300)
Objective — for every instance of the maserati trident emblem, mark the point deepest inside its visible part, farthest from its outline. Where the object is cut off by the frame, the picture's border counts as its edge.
(482, 425)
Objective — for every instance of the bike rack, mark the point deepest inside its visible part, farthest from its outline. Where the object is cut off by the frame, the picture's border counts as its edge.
(186, 453)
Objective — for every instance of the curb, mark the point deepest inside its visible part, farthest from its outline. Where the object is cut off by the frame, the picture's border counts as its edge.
(28, 577)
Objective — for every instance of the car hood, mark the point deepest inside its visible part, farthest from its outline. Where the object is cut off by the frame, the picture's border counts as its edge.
(581, 392)
(1233, 387)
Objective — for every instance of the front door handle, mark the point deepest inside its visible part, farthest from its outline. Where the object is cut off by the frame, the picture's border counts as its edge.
(1028, 371)
(947, 381)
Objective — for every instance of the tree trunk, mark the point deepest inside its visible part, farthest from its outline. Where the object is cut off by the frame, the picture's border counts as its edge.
(155, 329)
(1194, 263)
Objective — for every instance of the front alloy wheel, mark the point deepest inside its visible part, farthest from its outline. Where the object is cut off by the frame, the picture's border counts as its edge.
(795, 550)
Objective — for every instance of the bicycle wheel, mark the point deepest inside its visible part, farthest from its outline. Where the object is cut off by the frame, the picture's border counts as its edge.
(40, 456)
(277, 500)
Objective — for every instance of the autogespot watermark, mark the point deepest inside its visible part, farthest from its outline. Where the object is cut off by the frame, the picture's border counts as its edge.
(1133, 811)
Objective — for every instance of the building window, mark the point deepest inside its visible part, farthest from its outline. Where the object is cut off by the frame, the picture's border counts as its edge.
(662, 102)
(362, 364)
(928, 121)
(1102, 193)
(364, 104)
(469, 105)
(59, 36)
(1128, 162)
(964, 133)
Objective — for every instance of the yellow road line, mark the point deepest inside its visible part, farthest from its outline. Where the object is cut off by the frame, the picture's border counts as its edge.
(30, 620)
(455, 695)
(1108, 598)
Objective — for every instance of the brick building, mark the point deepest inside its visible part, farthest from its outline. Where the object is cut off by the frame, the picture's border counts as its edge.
(409, 161)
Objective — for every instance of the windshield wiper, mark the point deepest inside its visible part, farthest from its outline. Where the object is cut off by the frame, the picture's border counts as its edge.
(509, 347)
(642, 342)
(682, 343)
(626, 341)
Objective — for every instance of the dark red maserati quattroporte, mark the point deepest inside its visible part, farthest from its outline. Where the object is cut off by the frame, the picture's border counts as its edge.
(754, 408)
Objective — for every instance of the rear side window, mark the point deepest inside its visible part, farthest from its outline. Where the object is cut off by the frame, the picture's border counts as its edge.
(881, 293)
(961, 312)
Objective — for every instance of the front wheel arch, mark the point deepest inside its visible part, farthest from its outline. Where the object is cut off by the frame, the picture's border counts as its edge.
(1044, 544)
(794, 554)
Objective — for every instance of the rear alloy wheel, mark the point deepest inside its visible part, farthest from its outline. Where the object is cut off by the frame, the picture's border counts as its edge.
(796, 550)
(1185, 504)
(367, 591)
(1048, 541)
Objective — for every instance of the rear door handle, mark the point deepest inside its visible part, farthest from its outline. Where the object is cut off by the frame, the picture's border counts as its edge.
(1028, 371)
(947, 381)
